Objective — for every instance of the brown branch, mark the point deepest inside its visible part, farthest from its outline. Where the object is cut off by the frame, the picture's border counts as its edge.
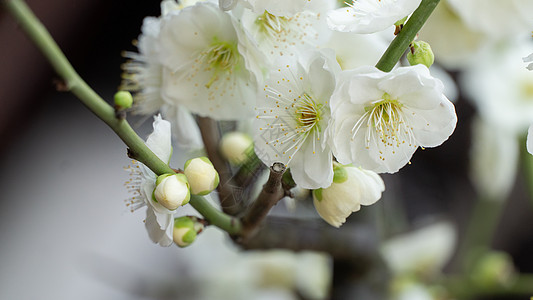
(270, 195)
(211, 139)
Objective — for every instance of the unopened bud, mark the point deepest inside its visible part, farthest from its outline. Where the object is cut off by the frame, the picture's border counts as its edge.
(202, 176)
(494, 268)
(185, 230)
(236, 147)
(420, 53)
(123, 99)
(172, 191)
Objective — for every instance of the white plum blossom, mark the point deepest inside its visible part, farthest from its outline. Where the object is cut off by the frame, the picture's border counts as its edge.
(455, 46)
(369, 16)
(287, 35)
(502, 91)
(529, 59)
(143, 74)
(282, 8)
(212, 67)
(380, 119)
(159, 220)
(356, 50)
(493, 159)
(425, 250)
(293, 115)
(496, 18)
(351, 188)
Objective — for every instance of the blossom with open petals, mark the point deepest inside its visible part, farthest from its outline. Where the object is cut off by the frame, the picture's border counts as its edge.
(380, 119)
(285, 8)
(143, 75)
(212, 67)
(368, 16)
(293, 115)
(159, 220)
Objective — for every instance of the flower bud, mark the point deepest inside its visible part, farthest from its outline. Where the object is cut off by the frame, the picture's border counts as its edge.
(202, 176)
(236, 147)
(493, 268)
(185, 230)
(172, 191)
(351, 188)
(123, 99)
(420, 53)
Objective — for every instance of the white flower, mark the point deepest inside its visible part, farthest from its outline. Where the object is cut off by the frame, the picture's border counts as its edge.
(293, 114)
(529, 59)
(380, 119)
(287, 36)
(425, 250)
(159, 220)
(502, 91)
(496, 18)
(202, 176)
(350, 189)
(493, 160)
(213, 68)
(455, 46)
(356, 50)
(143, 74)
(368, 16)
(284, 8)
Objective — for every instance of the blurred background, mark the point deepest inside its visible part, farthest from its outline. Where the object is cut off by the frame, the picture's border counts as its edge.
(66, 233)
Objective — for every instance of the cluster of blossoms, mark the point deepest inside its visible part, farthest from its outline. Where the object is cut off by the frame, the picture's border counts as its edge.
(164, 194)
(302, 71)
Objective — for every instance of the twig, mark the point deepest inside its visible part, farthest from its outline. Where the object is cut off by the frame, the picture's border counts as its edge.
(211, 138)
(270, 195)
(398, 46)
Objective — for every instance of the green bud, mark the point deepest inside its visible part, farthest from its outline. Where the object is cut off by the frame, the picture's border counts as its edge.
(420, 53)
(185, 230)
(123, 99)
(493, 268)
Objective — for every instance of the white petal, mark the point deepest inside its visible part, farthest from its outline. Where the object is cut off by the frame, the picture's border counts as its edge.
(184, 127)
(161, 236)
(432, 127)
(159, 141)
(312, 170)
(530, 139)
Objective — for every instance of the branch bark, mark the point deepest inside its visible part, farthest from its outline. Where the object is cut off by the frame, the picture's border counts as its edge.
(270, 195)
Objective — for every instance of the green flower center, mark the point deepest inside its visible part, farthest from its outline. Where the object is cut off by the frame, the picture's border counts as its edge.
(270, 24)
(308, 114)
(385, 122)
(222, 58)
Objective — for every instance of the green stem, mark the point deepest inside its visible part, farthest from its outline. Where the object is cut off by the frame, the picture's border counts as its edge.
(462, 287)
(398, 46)
(138, 149)
(223, 221)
